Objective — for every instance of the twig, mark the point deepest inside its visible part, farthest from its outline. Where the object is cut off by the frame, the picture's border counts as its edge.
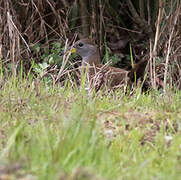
(65, 59)
(10, 19)
(148, 9)
(154, 53)
(169, 49)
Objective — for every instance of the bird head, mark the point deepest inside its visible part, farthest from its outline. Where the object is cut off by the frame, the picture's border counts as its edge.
(87, 50)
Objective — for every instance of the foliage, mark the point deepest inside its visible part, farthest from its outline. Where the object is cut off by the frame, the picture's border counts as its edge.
(59, 130)
(71, 134)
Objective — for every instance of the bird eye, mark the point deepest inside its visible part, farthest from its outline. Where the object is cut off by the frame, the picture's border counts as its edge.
(81, 44)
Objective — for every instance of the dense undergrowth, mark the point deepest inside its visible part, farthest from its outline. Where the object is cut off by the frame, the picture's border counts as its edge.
(51, 129)
(36, 31)
(60, 133)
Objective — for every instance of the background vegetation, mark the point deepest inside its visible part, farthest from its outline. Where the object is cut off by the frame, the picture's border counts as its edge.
(52, 129)
(52, 133)
(34, 31)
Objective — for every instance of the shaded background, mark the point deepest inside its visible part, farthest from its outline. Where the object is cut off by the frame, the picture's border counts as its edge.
(31, 30)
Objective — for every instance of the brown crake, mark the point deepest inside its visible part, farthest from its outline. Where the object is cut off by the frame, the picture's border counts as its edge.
(106, 75)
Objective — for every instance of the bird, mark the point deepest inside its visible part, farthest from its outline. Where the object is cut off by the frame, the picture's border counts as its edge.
(101, 75)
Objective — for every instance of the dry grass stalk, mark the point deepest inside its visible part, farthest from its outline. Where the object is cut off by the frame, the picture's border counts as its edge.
(154, 52)
(65, 59)
(169, 48)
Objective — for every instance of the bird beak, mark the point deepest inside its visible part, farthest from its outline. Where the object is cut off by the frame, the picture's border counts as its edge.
(73, 50)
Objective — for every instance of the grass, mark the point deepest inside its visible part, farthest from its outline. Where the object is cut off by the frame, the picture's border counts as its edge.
(60, 133)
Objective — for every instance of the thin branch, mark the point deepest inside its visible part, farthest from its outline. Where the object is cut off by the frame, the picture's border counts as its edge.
(169, 49)
(10, 19)
(154, 53)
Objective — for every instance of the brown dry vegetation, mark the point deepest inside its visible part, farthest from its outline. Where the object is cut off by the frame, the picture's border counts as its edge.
(151, 28)
(47, 132)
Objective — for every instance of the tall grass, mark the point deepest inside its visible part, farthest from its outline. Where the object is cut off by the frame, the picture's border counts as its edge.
(54, 133)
